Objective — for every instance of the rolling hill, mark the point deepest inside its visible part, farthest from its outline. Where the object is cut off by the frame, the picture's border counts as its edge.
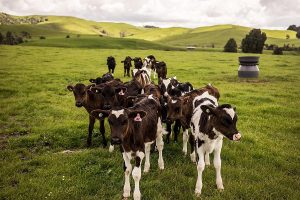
(56, 27)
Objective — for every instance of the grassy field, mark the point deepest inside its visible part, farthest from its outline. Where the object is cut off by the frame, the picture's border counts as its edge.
(38, 121)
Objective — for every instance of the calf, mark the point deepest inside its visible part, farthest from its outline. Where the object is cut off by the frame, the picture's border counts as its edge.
(105, 78)
(163, 85)
(209, 124)
(138, 63)
(135, 129)
(142, 77)
(161, 70)
(84, 97)
(127, 65)
(111, 64)
(149, 64)
(181, 108)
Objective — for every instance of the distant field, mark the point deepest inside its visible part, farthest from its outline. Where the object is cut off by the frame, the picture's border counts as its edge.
(38, 120)
(207, 36)
(85, 41)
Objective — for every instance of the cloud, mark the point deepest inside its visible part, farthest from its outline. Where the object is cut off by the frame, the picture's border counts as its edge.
(188, 13)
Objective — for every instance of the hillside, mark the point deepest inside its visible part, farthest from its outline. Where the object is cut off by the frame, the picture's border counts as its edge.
(208, 36)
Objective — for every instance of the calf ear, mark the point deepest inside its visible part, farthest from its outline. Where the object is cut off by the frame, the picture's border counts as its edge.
(70, 87)
(100, 114)
(93, 80)
(96, 90)
(208, 109)
(137, 115)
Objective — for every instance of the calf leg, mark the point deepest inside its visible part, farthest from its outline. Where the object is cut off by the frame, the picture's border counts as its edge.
(207, 161)
(160, 145)
(90, 133)
(128, 168)
(124, 71)
(169, 132)
(128, 69)
(147, 157)
(192, 143)
(176, 130)
(200, 168)
(102, 131)
(185, 137)
(136, 174)
(217, 164)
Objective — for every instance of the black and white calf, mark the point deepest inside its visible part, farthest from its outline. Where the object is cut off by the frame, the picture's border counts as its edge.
(209, 124)
(135, 129)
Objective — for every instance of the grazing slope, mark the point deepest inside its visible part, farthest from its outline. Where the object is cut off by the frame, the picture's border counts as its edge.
(60, 26)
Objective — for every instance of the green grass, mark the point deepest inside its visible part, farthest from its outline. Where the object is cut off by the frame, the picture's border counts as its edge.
(38, 120)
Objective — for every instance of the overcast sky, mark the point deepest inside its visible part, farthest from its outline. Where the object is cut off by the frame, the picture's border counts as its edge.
(165, 13)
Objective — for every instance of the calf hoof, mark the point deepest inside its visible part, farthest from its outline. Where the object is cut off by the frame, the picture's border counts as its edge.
(197, 193)
(207, 164)
(184, 152)
(111, 148)
(220, 187)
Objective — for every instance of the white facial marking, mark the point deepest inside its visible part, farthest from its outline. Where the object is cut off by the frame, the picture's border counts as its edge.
(117, 113)
(174, 101)
(173, 87)
(230, 112)
(150, 96)
(166, 82)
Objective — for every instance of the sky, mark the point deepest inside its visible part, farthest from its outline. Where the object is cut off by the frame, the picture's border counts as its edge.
(276, 14)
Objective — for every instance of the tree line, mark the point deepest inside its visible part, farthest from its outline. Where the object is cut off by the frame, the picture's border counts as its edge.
(12, 39)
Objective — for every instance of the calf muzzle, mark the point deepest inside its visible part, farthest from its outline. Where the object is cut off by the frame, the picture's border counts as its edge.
(115, 140)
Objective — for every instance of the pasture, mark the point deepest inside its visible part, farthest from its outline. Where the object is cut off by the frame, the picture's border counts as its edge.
(39, 121)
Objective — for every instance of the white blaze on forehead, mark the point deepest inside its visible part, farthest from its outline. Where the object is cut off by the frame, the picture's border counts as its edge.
(230, 112)
(174, 101)
(117, 113)
(166, 82)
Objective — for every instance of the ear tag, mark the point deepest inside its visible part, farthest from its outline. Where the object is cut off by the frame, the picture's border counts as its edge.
(121, 93)
(100, 115)
(207, 110)
(138, 118)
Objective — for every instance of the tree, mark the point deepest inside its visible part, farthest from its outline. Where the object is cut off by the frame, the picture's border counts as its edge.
(10, 39)
(230, 46)
(298, 34)
(1, 38)
(292, 27)
(287, 36)
(254, 41)
(278, 51)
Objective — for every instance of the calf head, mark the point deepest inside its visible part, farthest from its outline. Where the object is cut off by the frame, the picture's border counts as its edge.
(80, 93)
(120, 121)
(97, 80)
(175, 107)
(223, 119)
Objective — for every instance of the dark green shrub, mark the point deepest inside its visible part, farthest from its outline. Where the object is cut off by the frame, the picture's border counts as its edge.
(230, 46)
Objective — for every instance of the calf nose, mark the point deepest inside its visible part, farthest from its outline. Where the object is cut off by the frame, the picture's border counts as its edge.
(115, 140)
(107, 107)
(78, 104)
(237, 137)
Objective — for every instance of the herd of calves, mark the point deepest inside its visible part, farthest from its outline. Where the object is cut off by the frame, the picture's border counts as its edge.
(137, 109)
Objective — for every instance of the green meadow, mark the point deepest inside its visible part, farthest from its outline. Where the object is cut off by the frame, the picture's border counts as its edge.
(39, 122)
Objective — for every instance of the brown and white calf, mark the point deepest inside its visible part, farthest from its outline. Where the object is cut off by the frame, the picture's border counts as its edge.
(135, 129)
(84, 97)
(181, 108)
(209, 124)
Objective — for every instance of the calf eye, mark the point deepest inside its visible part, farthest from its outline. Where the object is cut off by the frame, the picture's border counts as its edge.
(177, 109)
(226, 121)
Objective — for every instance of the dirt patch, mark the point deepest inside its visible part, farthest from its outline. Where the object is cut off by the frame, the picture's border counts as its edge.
(5, 137)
